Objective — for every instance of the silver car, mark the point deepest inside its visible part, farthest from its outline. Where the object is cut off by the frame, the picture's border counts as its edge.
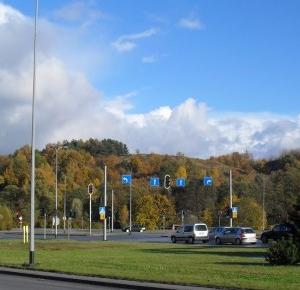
(191, 233)
(237, 236)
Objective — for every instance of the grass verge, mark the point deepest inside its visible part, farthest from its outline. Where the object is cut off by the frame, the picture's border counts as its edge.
(232, 267)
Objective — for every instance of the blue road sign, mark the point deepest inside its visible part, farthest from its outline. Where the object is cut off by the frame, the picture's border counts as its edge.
(154, 181)
(126, 179)
(180, 182)
(207, 181)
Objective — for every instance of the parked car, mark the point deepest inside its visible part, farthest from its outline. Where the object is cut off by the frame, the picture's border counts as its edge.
(191, 233)
(134, 228)
(213, 232)
(278, 232)
(237, 236)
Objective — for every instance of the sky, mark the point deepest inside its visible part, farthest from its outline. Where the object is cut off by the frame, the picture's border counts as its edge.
(200, 77)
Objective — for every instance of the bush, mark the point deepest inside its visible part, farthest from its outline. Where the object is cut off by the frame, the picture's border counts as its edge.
(284, 252)
(6, 220)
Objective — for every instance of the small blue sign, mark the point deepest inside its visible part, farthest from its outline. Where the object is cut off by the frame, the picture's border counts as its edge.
(126, 179)
(180, 182)
(207, 181)
(154, 181)
(102, 210)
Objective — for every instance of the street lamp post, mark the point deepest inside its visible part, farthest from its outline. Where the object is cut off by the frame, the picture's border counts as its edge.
(32, 192)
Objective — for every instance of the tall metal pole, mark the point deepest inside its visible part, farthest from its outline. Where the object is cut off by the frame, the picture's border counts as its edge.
(230, 185)
(65, 204)
(112, 210)
(263, 217)
(32, 193)
(90, 214)
(56, 149)
(130, 200)
(105, 202)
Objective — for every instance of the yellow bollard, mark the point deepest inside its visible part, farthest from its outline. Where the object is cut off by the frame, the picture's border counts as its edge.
(27, 234)
(24, 240)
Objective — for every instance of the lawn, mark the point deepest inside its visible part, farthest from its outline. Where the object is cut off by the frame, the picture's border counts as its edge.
(228, 266)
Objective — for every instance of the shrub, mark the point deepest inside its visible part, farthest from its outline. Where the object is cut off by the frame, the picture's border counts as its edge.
(6, 220)
(284, 252)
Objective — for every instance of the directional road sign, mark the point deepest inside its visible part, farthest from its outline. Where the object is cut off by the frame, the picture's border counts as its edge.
(234, 212)
(154, 181)
(180, 182)
(102, 213)
(207, 181)
(126, 179)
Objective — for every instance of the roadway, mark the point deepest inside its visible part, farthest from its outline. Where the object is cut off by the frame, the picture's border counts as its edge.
(12, 282)
(97, 235)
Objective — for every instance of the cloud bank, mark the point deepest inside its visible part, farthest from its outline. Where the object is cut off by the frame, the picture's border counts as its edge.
(68, 107)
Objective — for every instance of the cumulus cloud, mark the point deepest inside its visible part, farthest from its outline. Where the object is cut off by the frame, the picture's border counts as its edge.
(128, 42)
(80, 11)
(68, 107)
(191, 23)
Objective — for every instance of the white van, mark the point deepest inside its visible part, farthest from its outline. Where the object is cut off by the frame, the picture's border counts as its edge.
(191, 233)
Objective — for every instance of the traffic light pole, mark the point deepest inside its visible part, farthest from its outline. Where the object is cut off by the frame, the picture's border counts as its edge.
(112, 210)
(105, 202)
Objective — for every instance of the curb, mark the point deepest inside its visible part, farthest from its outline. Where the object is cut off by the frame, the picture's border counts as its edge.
(124, 284)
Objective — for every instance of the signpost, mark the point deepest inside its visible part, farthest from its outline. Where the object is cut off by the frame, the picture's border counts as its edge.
(234, 212)
(180, 182)
(127, 180)
(90, 192)
(207, 181)
(102, 213)
(154, 181)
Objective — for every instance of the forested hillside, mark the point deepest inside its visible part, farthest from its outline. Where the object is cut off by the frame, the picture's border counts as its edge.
(82, 162)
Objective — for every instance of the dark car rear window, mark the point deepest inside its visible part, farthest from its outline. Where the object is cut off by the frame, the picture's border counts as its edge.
(200, 228)
(188, 228)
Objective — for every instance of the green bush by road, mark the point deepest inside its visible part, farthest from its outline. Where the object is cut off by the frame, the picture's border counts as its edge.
(237, 267)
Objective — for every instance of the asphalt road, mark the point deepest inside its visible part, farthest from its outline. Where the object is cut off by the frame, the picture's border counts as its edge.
(117, 235)
(9, 282)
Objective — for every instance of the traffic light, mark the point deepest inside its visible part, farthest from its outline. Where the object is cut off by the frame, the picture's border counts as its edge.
(167, 181)
(90, 188)
(42, 211)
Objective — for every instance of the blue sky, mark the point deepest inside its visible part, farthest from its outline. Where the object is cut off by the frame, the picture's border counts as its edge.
(244, 57)
(233, 62)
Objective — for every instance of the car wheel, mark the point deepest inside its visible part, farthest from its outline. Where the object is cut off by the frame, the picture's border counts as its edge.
(204, 241)
(264, 239)
(254, 243)
(191, 240)
(173, 239)
(127, 230)
(238, 241)
(218, 241)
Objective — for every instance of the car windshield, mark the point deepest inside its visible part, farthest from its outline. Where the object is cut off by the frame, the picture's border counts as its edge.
(200, 228)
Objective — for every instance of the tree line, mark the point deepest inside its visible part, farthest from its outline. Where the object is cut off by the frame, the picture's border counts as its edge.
(265, 191)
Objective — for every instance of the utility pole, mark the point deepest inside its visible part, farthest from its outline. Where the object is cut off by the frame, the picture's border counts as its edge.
(105, 201)
(112, 210)
(32, 186)
(230, 189)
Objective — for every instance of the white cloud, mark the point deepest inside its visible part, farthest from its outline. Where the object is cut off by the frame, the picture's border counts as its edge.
(191, 23)
(128, 42)
(68, 106)
(149, 59)
(80, 11)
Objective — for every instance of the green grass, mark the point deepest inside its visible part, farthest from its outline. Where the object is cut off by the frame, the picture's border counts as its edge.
(227, 266)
